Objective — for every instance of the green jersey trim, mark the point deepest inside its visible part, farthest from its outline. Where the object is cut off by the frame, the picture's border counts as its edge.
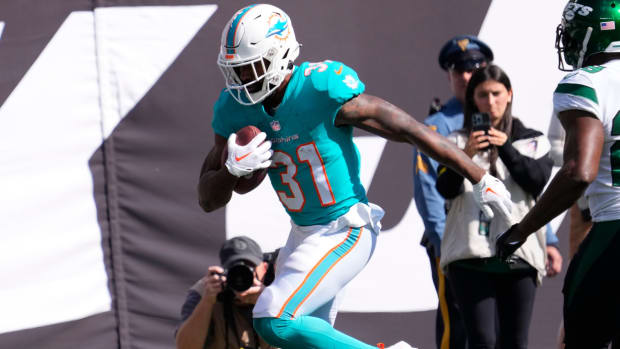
(578, 90)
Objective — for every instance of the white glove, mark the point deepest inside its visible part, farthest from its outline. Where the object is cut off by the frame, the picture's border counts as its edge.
(489, 193)
(245, 159)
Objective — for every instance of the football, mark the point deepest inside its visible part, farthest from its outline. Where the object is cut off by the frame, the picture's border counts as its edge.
(247, 183)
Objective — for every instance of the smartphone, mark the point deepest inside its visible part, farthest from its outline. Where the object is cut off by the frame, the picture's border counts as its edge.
(481, 122)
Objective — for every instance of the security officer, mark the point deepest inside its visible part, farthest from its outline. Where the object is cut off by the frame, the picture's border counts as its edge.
(460, 56)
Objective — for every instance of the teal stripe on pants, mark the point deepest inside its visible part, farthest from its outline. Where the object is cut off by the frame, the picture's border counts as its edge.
(319, 272)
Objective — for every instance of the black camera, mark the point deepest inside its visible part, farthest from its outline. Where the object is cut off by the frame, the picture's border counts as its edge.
(240, 276)
(481, 122)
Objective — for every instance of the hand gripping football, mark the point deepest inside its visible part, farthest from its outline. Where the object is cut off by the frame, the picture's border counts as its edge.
(247, 183)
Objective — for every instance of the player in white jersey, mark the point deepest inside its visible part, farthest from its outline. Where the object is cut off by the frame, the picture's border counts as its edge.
(587, 102)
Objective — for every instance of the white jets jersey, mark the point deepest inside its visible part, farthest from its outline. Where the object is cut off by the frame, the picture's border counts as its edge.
(596, 89)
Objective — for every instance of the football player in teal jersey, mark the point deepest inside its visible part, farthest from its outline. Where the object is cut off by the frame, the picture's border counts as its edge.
(307, 114)
(588, 105)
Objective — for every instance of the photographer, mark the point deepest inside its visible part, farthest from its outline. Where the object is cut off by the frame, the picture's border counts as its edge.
(217, 313)
(489, 290)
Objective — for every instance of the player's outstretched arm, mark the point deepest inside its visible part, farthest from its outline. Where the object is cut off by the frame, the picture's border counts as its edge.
(378, 116)
(582, 152)
(216, 183)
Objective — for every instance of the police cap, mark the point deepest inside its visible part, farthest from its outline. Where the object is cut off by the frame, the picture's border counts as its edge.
(464, 52)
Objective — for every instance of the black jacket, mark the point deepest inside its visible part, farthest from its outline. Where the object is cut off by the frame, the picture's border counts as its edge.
(531, 174)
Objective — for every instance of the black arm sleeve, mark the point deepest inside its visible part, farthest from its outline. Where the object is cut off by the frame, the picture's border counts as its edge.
(191, 301)
(449, 183)
(531, 174)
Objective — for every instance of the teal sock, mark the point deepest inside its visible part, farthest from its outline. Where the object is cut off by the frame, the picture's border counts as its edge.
(305, 332)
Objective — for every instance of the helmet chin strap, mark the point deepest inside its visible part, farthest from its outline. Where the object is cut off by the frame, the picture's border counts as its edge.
(584, 47)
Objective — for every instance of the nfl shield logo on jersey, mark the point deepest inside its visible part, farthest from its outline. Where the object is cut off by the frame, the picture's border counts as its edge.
(275, 125)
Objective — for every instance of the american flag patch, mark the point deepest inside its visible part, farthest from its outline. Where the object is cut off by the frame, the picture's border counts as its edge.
(611, 25)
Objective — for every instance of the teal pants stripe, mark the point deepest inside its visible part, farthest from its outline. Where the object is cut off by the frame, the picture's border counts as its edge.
(305, 332)
(313, 279)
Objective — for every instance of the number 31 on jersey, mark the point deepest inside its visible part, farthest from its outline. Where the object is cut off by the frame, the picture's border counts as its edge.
(309, 154)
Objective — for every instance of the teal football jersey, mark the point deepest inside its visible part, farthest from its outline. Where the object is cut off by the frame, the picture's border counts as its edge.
(316, 166)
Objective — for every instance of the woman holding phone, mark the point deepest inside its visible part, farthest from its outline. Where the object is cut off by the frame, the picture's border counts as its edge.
(484, 286)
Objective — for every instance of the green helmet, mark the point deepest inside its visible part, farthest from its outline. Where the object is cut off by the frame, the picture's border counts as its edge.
(588, 27)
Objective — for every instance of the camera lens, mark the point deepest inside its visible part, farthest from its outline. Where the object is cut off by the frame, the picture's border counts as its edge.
(240, 277)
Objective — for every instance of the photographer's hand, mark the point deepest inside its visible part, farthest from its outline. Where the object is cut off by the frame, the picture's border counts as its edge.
(214, 283)
(250, 296)
(477, 140)
(193, 331)
(497, 137)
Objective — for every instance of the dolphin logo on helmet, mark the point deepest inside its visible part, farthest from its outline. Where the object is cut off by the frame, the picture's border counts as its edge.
(278, 29)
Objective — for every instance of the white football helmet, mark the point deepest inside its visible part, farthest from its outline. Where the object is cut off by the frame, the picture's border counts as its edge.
(260, 37)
